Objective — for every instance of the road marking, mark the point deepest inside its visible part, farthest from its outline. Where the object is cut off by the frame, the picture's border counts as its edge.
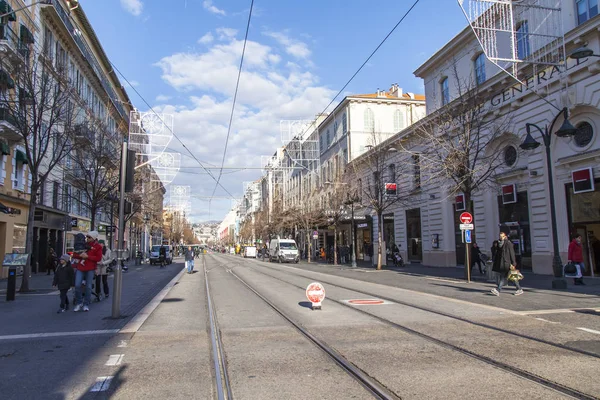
(589, 330)
(102, 384)
(554, 311)
(114, 359)
(122, 343)
(138, 320)
(545, 320)
(366, 302)
(138, 269)
(445, 280)
(58, 334)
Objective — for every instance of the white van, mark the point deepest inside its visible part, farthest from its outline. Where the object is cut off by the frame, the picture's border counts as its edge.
(250, 251)
(283, 250)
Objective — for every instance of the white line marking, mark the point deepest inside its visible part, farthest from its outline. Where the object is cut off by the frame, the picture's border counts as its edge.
(138, 269)
(545, 320)
(58, 334)
(445, 280)
(122, 343)
(554, 311)
(102, 384)
(138, 320)
(589, 330)
(114, 359)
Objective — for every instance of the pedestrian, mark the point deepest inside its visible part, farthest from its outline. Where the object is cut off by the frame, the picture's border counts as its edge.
(162, 255)
(575, 256)
(63, 280)
(504, 261)
(85, 265)
(476, 258)
(102, 271)
(189, 260)
(51, 260)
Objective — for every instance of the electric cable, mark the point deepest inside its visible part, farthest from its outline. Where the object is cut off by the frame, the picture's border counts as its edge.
(237, 85)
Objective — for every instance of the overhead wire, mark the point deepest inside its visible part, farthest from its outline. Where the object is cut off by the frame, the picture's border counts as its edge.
(237, 85)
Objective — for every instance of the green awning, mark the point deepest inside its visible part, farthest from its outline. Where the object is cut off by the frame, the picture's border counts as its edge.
(26, 35)
(20, 157)
(4, 149)
(5, 8)
(5, 80)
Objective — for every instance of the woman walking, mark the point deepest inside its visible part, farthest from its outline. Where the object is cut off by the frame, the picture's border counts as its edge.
(504, 262)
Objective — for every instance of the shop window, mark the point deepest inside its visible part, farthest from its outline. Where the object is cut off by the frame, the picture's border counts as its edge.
(19, 236)
(510, 156)
(584, 135)
(586, 9)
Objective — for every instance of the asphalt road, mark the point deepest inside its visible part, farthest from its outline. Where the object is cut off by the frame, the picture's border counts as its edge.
(408, 344)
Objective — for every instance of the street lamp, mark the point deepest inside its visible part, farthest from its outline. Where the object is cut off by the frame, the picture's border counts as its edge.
(566, 130)
(582, 52)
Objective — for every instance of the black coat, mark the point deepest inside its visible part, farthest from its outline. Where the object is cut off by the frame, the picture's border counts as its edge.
(504, 258)
(64, 276)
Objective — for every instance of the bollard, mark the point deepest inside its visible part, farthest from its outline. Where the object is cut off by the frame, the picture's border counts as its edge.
(11, 284)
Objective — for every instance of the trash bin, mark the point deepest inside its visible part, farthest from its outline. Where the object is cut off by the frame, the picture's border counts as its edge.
(11, 283)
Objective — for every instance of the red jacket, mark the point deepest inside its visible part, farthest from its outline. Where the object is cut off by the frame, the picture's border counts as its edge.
(90, 263)
(575, 252)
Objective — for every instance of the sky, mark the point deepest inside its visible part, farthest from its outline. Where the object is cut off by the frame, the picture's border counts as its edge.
(183, 57)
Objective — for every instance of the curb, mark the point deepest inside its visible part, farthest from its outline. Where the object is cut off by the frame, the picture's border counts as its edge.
(138, 320)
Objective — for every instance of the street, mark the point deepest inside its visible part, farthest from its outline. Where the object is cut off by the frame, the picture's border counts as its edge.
(432, 337)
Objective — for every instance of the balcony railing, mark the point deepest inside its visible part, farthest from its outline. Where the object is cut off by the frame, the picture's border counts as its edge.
(6, 115)
(8, 35)
(88, 55)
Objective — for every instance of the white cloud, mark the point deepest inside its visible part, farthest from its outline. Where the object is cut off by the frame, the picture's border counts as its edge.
(226, 33)
(133, 7)
(161, 98)
(207, 38)
(293, 47)
(208, 5)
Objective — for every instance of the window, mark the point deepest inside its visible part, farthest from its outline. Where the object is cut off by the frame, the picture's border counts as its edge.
(336, 127)
(584, 135)
(523, 49)
(398, 121)
(55, 191)
(19, 160)
(586, 9)
(328, 142)
(42, 191)
(445, 91)
(19, 236)
(480, 69)
(344, 124)
(67, 200)
(416, 171)
(369, 120)
(376, 184)
(321, 143)
(392, 173)
(48, 43)
(510, 156)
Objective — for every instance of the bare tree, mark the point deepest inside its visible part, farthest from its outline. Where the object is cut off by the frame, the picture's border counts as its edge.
(458, 146)
(40, 103)
(95, 166)
(307, 216)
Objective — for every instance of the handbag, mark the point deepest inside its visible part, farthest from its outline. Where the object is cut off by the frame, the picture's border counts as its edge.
(570, 269)
(515, 275)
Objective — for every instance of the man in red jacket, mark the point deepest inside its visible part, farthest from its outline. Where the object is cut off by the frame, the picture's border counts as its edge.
(85, 264)
(576, 257)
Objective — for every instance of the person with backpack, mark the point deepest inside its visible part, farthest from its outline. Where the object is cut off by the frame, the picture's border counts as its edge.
(162, 255)
(189, 260)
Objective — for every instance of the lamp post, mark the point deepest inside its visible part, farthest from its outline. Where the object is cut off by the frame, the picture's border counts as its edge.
(566, 130)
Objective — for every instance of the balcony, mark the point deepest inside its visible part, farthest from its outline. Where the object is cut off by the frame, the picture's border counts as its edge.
(8, 126)
(11, 46)
(55, 11)
(83, 134)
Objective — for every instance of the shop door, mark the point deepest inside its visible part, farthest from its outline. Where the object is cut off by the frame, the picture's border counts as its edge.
(413, 231)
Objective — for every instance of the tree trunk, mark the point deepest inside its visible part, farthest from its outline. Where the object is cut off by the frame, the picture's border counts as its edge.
(308, 240)
(379, 239)
(335, 260)
(28, 244)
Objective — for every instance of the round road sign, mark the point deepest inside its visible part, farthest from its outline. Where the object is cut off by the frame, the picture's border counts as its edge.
(315, 292)
(466, 218)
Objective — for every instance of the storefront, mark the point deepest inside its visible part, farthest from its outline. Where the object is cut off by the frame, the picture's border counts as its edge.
(414, 235)
(13, 227)
(583, 202)
(513, 212)
(48, 232)
(364, 237)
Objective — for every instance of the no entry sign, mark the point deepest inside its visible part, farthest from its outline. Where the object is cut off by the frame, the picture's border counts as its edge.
(315, 293)
(466, 218)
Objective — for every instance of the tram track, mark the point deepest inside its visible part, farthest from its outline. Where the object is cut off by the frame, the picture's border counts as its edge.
(519, 372)
(375, 388)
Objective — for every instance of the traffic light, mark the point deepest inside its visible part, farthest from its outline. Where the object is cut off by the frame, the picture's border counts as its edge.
(130, 171)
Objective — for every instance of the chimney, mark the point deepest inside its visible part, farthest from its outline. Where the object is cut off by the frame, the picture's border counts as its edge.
(380, 93)
(411, 95)
(395, 90)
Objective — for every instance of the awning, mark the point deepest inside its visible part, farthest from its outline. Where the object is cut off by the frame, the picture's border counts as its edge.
(5, 8)
(26, 35)
(4, 149)
(5, 80)
(20, 157)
